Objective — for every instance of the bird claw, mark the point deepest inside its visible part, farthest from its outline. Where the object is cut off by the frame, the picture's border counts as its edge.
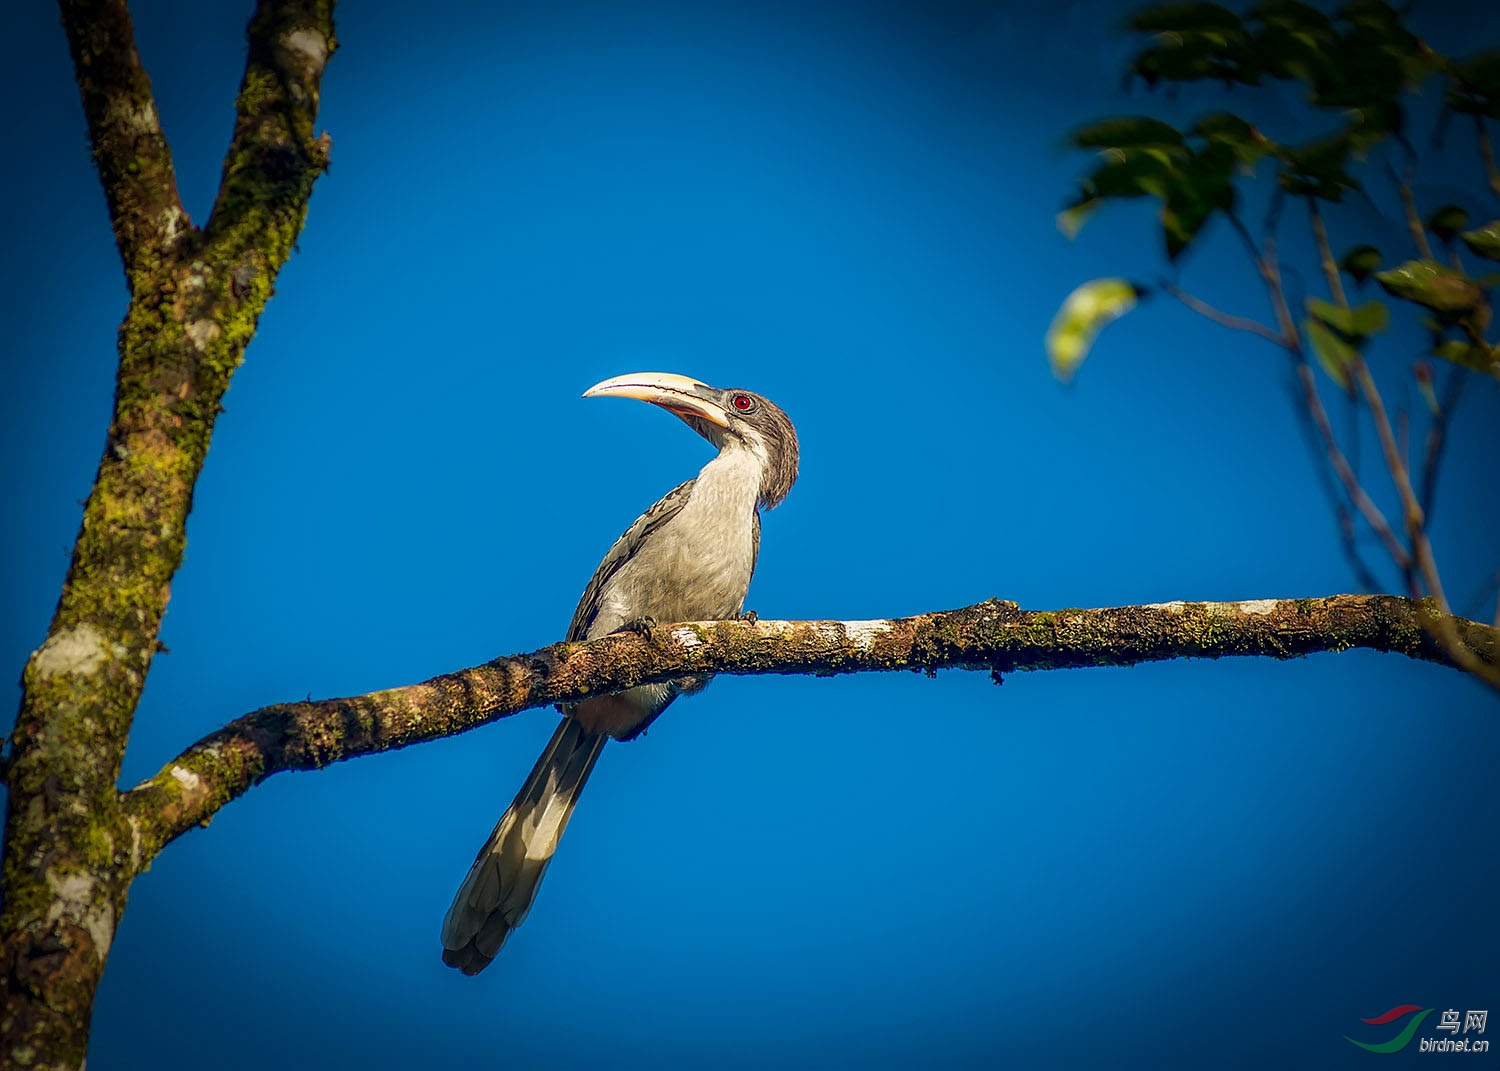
(749, 617)
(641, 626)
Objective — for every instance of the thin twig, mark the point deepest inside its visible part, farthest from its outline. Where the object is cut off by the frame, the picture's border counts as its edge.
(1437, 437)
(1421, 560)
(1413, 217)
(1225, 319)
(1270, 271)
(1416, 528)
(1362, 572)
(1322, 466)
(1403, 436)
(1269, 224)
(1325, 255)
(1475, 602)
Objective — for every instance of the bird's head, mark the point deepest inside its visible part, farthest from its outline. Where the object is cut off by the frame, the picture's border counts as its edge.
(731, 419)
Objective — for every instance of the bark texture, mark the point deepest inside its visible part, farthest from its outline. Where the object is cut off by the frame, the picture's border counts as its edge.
(996, 636)
(195, 297)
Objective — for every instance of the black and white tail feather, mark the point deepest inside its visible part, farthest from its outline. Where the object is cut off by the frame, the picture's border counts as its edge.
(501, 885)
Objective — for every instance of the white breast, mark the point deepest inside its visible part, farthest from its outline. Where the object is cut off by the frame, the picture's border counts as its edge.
(697, 566)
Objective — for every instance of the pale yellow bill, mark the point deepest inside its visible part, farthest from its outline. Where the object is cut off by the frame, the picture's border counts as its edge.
(678, 394)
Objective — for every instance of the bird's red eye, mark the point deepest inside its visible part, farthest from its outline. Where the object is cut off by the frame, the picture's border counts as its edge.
(743, 403)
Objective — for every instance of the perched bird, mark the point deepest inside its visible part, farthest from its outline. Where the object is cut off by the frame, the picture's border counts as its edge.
(687, 558)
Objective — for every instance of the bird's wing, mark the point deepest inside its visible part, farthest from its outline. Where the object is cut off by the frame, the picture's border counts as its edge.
(754, 540)
(588, 606)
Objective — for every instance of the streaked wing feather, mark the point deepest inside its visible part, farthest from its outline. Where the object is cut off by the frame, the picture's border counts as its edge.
(754, 540)
(663, 511)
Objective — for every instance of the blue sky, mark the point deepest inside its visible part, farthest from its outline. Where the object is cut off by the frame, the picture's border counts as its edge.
(848, 208)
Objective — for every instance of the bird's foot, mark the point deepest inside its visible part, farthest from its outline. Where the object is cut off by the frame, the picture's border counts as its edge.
(749, 617)
(641, 626)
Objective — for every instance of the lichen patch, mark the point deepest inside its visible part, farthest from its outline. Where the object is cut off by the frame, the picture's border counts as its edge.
(308, 44)
(73, 895)
(81, 649)
(1259, 607)
(863, 634)
(140, 117)
(202, 332)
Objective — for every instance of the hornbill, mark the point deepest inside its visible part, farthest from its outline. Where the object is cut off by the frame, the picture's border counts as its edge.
(687, 558)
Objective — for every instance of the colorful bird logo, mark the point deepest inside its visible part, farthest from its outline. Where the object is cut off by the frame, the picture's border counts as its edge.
(1401, 1040)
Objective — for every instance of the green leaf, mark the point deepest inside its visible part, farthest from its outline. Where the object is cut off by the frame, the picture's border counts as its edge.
(1335, 316)
(1234, 133)
(1463, 353)
(1447, 221)
(1184, 18)
(1283, 52)
(1446, 292)
(1484, 242)
(1337, 334)
(1291, 15)
(1128, 132)
(1178, 59)
(1319, 168)
(1126, 174)
(1078, 321)
(1356, 324)
(1198, 187)
(1370, 13)
(1186, 48)
(1334, 354)
(1182, 217)
(1475, 88)
(1071, 219)
(1371, 318)
(1360, 261)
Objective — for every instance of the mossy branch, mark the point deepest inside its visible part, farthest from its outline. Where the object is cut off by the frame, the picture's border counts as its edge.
(130, 150)
(996, 636)
(195, 298)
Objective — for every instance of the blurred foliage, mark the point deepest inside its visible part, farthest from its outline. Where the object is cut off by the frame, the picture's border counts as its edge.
(1447, 221)
(1339, 333)
(1484, 242)
(1087, 309)
(1358, 67)
(1451, 294)
(1360, 263)
(1475, 86)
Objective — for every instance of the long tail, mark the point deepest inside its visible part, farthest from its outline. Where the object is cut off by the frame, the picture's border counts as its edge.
(502, 883)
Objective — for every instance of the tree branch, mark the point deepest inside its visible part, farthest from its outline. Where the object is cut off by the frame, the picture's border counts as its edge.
(1270, 271)
(195, 299)
(1325, 255)
(273, 158)
(1413, 217)
(995, 636)
(1437, 437)
(130, 149)
(1224, 319)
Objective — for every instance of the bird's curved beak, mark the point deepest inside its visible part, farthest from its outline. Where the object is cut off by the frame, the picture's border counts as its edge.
(676, 394)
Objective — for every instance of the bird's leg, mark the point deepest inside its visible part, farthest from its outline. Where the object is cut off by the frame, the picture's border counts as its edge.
(749, 617)
(641, 626)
